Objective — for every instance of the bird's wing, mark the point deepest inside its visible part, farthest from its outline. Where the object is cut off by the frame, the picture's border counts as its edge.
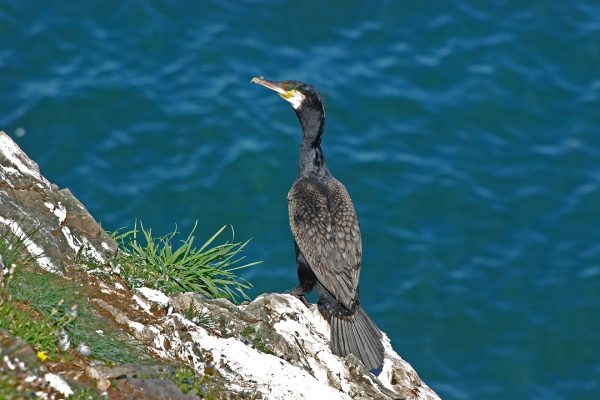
(326, 230)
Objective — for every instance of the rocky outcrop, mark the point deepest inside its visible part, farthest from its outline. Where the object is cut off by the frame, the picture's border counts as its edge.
(274, 347)
(59, 228)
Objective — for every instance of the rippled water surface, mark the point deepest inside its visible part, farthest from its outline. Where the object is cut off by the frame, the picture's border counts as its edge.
(468, 136)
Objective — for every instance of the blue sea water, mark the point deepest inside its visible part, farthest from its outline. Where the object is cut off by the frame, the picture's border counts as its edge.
(467, 134)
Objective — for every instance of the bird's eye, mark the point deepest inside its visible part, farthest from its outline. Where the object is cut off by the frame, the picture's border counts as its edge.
(290, 87)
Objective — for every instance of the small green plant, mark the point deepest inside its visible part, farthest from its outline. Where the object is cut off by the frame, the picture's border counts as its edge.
(200, 318)
(209, 385)
(156, 262)
(223, 326)
(189, 381)
(257, 341)
(190, 313)
(248, 331)
(259, 344)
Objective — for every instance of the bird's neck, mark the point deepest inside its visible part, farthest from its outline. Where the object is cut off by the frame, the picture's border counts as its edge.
(312, 162)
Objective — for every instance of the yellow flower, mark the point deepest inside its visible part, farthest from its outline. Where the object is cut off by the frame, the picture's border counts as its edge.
(42, 355)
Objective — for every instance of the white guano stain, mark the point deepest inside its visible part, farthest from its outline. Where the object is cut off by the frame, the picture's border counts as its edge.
(81, 245)
(71, 239)
(154, 296)
(144, 305)
(10, 170)
(317, 343)
(274, 378)
(137, 326)
(58, 384)
(58, 210)
(11, 151)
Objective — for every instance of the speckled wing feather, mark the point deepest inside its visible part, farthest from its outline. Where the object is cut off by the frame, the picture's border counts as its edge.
(326, 230)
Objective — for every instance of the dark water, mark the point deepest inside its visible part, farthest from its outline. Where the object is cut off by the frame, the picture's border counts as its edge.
(468, 135)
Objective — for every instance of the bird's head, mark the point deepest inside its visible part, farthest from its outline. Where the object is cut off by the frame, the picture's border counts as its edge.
(299, 94)
(307, 103)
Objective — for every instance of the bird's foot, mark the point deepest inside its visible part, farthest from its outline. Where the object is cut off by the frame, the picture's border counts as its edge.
(298, 293)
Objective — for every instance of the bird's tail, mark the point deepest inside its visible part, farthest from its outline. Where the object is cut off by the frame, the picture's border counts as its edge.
(357, 334)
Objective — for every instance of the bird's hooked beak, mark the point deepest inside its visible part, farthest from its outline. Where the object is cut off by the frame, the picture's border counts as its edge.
(259, 80)
(289, 94)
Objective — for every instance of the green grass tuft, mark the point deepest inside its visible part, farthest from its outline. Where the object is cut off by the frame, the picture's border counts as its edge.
(156, 262)
(55, 299)
(86, 393)
(41, 334)
(13, 248)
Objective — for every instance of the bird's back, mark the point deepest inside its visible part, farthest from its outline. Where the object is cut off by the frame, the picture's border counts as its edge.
(326, 229)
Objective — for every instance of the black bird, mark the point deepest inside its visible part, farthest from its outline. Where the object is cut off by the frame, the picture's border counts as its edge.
(326, 233)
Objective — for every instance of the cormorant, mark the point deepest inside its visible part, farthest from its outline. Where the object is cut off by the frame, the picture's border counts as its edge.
(326, 234)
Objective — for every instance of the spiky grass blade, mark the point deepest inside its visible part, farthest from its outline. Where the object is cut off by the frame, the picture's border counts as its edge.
(160, 264)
